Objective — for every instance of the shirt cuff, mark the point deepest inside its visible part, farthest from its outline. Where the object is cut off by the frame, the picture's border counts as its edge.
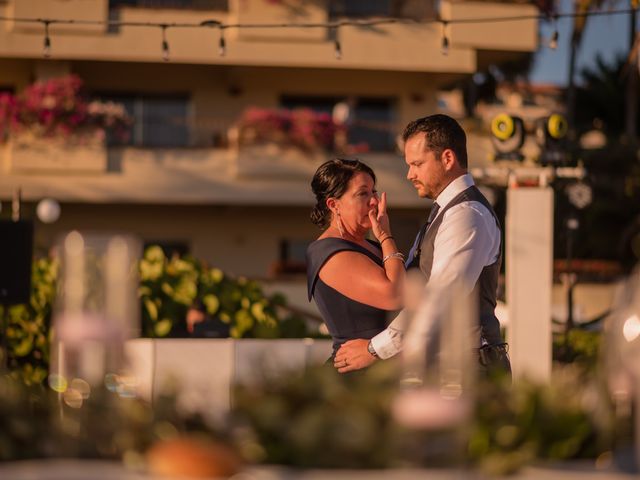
(386, 344)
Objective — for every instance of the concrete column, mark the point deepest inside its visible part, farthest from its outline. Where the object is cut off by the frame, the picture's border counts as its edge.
(529, 268)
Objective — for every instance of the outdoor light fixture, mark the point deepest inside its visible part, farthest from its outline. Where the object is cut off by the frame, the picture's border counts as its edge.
(551, 135)
(165, 44)
(507, 137)
(46, 52)
(222, 44)
(445, 39)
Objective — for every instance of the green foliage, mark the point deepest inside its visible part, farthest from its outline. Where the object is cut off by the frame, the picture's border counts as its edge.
(513, 426)
(168, 286)
(36, 422)
(319, 418)
(28, 327)
(578, 346)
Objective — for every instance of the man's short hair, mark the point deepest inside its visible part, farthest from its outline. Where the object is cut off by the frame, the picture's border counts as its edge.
(441, 132)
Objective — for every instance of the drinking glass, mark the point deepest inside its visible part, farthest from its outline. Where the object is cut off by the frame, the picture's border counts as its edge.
(439, 370)
(622, 361)
(96, 311)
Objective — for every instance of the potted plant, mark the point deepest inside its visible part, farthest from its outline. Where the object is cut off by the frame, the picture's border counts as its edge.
(53, 125)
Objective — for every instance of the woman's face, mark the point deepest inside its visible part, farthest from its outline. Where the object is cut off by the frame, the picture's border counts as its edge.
(354, 206)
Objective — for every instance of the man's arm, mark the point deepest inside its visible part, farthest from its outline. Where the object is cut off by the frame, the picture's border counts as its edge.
(355, 354)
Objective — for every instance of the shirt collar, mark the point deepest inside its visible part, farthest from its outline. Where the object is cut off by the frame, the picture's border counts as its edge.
(458, 185)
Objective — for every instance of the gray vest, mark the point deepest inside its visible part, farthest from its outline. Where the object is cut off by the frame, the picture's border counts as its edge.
(487, 285)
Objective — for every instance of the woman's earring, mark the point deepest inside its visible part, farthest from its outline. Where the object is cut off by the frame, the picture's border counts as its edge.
(340, 229)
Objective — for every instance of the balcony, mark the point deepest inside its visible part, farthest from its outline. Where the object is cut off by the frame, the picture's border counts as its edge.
(27, 154)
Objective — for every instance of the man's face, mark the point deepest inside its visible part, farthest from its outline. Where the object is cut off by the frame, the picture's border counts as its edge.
(426, 172)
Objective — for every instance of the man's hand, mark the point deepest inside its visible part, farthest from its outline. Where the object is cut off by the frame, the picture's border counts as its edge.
(353, 355)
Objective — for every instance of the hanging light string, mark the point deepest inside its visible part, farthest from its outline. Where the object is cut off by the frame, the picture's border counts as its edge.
(222, 43)
(553, 42)
(47, 41)
(445, 38)
(336, 25)
(337, 47)
(165, 44)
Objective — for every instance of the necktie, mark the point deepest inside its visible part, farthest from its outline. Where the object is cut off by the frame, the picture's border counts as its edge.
(414, 253)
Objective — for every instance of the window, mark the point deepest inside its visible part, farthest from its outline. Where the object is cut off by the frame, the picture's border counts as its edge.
(293, 257)
(358, 8)
(186, 4)
(372, 122)
(158, 121)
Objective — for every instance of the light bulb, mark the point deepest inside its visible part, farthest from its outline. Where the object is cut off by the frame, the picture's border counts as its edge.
(553, 43)
(46, 51)
(165, 51)
(165, 44)
(48, 210)
(445, 45)
(222, 45)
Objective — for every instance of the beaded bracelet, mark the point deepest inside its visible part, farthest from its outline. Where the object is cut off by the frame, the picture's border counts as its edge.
(397, 255)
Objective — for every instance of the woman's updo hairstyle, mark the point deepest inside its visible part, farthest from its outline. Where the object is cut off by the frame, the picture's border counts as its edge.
(331, 180)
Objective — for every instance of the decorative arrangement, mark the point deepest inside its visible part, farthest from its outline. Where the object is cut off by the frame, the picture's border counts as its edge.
(59, 109)
(300, 128)
(319, 419)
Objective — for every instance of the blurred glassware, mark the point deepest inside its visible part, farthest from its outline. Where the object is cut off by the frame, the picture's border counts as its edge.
(439, 370)
(622, 361)
(96, 311)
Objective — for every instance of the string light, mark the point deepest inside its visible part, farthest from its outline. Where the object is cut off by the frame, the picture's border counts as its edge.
(337, 48)
(445, 39)
(222, 43)
(553, 43)
(335, 24)
(46, 51)
(165, 44)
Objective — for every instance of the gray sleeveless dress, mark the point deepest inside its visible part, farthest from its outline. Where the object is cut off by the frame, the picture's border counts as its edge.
(346, 319)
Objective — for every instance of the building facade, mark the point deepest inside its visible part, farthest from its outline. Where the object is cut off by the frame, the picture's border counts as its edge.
(183, 177)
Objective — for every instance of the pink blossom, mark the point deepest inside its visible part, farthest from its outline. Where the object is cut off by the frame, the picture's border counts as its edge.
(58, 107)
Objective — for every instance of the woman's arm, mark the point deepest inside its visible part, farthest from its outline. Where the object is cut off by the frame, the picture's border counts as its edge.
(358, 277)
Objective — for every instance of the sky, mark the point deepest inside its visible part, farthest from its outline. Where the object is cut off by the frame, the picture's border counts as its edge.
(605, 35)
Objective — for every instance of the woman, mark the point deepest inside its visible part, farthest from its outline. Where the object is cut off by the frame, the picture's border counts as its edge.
(355, 282)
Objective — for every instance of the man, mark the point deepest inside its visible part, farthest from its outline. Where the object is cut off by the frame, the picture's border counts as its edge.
(460, 241)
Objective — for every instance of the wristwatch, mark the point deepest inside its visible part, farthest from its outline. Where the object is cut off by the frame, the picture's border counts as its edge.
(372, 350)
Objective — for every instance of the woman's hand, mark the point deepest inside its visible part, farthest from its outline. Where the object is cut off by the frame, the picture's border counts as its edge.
(380, 219)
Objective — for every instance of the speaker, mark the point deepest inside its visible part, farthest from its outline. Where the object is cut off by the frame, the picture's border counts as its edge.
(16, 251)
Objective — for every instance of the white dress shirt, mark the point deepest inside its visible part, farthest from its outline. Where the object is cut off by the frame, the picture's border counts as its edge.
(467, 241)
